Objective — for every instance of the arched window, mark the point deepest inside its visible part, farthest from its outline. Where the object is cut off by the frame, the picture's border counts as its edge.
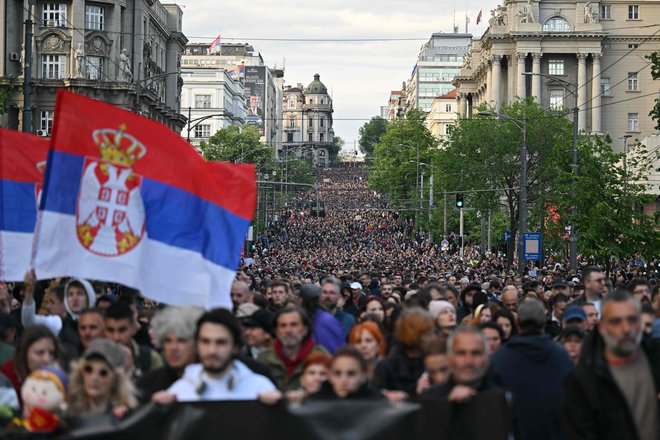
(556, 24)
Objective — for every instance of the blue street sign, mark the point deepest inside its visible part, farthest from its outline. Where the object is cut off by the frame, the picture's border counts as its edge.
(532, 246)
(507, 235)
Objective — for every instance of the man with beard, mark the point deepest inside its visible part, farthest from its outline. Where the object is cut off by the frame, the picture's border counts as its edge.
(294, 343)
(613, 392)
(219, 376)
(330, 295)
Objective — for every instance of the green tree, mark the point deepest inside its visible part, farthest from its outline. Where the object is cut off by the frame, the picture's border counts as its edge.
(481, 158)
(333, 151)
(610, 193)
(239, 145)
(370, 134)
(396, 155)
(655, 74)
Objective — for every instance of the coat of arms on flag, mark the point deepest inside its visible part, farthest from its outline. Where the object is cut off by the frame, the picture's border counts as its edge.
(110, 212)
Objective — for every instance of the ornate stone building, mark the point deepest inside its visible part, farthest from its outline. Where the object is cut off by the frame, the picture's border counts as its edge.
(598, 47)
(308, 131)
(124, 52)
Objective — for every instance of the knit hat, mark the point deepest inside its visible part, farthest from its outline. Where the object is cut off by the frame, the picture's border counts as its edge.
(438, 305)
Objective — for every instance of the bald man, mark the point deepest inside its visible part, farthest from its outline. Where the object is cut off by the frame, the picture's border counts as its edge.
(240, 293)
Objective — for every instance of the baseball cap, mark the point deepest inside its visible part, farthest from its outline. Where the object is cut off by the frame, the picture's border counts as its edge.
(570, 331)
(355, 285)
(262, 318)
(107, 350)
(574, 312)
(559, 283)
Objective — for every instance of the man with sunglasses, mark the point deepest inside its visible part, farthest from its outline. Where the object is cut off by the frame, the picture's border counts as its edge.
(219, 375)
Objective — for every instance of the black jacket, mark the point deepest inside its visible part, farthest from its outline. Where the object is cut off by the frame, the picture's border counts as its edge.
(398, 372)
(594, 407)
(156, 380)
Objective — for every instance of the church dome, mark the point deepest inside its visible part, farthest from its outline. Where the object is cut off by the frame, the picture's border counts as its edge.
(316, 87)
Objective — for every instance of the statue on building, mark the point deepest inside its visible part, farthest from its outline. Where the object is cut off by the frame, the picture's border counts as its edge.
(80, 61)
(500, 14)
(124, 74)
(21, 61)
(589, 15)
(526, 14)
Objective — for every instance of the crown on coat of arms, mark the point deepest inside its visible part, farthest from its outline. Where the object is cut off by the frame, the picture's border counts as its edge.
(118, 147)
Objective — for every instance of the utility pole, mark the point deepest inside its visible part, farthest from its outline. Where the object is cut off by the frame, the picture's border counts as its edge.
(444, 219)
(430, 205)
(625, 163)
(572, 238)
(27, 72)
(523, 194)
(490, 229)
(461, 231)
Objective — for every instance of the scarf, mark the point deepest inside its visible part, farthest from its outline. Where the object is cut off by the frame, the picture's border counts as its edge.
(291, 364)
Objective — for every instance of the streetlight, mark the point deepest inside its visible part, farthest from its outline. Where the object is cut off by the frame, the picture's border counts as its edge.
(430, 195)
(625, 138)
(201, 119)
(522, 209)
(572, 239)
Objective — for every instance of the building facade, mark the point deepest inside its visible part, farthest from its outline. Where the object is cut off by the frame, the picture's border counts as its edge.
(124, 52)
(262, 85)
(439, 61)
(308, 132)
(443, 115)
(213, 99)
(597, 47)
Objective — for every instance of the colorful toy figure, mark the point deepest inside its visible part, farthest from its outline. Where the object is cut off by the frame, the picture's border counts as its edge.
(44, 396)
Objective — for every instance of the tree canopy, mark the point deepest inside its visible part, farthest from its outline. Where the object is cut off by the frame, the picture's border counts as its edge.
(370, 134)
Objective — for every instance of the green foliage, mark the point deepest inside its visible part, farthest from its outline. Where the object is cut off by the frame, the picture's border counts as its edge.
(655, 74)
(370, 134)
(395, 159)
(608, 196)
(5, 96)
(239, 145)
(333, 151)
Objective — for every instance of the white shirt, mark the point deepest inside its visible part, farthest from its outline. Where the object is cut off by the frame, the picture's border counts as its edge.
(240, 383)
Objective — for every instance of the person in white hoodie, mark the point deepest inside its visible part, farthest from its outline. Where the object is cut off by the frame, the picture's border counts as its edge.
(219, 376)
(63, 321)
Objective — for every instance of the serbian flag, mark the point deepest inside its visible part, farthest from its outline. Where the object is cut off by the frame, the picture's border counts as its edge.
(479, 16)
(215, 45)
(127, 200)
(22, 166)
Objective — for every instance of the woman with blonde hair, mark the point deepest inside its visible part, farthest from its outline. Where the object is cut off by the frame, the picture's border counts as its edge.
(100, 383)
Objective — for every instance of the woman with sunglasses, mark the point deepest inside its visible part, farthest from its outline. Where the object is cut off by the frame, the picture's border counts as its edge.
(100, 383)
(347, 379)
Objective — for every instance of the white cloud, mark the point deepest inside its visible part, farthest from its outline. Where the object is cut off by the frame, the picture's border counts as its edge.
(360, 74)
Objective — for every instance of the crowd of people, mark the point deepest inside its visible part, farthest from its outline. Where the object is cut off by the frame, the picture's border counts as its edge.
(351, 304)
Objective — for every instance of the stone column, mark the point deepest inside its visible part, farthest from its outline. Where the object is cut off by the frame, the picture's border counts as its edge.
(595, 94)
(582, 91)
(463, 105)
(496, 80)
(509, 79)
(489, 82)
(520, 79)
(536, 78)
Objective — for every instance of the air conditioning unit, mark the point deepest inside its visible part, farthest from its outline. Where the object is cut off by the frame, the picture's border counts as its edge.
(14, 56)
(42, 133)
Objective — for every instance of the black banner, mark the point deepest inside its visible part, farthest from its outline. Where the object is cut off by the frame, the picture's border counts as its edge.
(485, 417)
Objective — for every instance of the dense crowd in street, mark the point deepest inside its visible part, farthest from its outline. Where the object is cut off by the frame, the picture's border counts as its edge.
(350, 303)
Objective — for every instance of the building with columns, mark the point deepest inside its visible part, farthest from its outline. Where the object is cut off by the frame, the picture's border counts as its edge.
(598, 47)
(308, 132)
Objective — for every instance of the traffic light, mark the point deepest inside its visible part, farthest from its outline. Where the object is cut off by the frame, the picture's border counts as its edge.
(459, 200)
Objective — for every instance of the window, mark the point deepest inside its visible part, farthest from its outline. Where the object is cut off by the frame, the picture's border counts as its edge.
(633, 12)
(632, 82)
(633, 121)
(94, 17)
(448, 108)
(605, 12)
(94, 68)
(633, 46)
(203, 131)
(202, 101)
(289, 137)
(447, 129)
(46, 122)
(320, 137)
(311, 122)
(322, 153)
(292, 123)
(556, 99)
(605, 87)
(557, 24)
(53, 66)
(54, 14)
(556, 67)
(321, 122)
(310, 137)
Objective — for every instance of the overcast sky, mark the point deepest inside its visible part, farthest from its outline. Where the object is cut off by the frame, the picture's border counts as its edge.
(360, 74)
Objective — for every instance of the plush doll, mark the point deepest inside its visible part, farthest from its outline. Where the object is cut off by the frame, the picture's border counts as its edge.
(44, 396)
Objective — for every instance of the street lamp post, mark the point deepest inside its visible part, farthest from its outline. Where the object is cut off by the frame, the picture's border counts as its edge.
(625, 138)
(572, 239)
(421, 195)
(522, 208)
